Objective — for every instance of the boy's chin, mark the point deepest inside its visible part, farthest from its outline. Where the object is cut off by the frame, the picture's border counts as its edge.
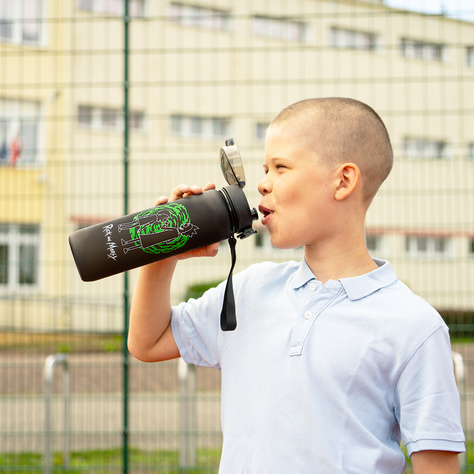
(284, 245)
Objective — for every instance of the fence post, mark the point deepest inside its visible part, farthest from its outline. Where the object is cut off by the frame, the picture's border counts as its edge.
(126, 305)
(50, 363)
(459, 374)
(187, 382)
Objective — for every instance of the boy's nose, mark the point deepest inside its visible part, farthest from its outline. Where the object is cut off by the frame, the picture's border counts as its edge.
(264, 187)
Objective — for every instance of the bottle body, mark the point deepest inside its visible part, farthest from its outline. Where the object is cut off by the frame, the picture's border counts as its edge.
(160, 232)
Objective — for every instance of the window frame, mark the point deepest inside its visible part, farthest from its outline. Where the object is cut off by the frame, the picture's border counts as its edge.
(380, 241)
(470, 152)
(280, 28)
(200, 17)
(424, 50)
(22, 121)
(13, 237)
(422, 148)
(108, 119)
(200, 127)
(429, 247)
(470, 56)
(16, 17)
(136, 8)
(346, 38)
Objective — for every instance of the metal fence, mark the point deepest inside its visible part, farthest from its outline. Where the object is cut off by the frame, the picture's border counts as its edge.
(106, 105)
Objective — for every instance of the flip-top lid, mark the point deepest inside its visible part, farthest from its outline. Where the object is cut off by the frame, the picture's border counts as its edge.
(231, 164)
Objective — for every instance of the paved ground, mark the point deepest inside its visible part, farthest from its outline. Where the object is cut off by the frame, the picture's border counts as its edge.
(95, 403)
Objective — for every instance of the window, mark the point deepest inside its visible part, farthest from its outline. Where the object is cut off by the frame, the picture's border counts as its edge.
(136, 120)
(200, 17)
(19, 255)
(260, 131)
(108, 118)
(84, 115)
(470, 56)
(470, 151)
(262, 240)
(423, 50)
(188, 126)
(375, 244)
(352, 39)
(279, 28)
(20, 123)
(426, 149)
(428, 246)
(21, 22)
(136, 8)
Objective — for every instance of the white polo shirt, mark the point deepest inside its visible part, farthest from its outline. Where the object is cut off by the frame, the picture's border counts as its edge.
(324, 378)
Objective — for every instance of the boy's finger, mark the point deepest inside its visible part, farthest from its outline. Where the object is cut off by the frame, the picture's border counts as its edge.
(161, 200)
(184, 190)
(209, 186)
(179, 192)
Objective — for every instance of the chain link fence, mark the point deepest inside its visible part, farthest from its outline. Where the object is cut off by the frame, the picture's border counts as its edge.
(107, 104)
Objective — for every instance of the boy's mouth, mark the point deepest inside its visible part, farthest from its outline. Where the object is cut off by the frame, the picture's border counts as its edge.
(266, 213)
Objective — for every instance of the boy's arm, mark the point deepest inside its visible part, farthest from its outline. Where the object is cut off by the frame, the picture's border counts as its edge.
(150, 337)
(435, 462)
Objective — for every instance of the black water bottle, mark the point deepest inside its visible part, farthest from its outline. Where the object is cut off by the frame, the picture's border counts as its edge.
(163, 231)
(160, 232)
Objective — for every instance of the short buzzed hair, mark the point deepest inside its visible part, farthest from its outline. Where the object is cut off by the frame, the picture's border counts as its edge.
(346, 130)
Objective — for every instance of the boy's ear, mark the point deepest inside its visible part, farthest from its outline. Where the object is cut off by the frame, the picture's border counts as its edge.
(348, 177)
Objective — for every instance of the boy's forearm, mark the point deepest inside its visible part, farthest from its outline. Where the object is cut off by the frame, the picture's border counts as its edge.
(433, 462)
(150, 315)
(150, 337)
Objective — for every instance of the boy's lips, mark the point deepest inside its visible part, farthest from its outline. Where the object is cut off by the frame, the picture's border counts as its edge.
(267, 213)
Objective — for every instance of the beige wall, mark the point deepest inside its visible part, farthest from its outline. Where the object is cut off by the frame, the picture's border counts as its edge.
(177, 69)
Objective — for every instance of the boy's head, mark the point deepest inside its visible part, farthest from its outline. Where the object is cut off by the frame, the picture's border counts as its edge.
(344, 130)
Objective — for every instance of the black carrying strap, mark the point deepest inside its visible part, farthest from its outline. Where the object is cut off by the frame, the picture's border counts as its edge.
(228, 316)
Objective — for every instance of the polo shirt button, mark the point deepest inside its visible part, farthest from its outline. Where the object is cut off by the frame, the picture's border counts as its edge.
(312, 286)
(308, 314)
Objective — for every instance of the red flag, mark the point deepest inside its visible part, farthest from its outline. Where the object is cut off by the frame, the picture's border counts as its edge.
(15, 150)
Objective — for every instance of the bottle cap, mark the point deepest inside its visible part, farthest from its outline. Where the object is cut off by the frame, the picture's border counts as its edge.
(231, 164)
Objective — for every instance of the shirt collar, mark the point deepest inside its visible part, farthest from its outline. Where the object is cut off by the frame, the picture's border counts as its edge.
(356, 287)
(364, 285)
(302, 275)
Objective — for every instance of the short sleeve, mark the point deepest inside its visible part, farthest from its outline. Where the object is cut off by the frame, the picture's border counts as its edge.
(196, 328)
(427, 399)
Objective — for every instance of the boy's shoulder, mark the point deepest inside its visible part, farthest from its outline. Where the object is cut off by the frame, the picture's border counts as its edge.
(400, 305)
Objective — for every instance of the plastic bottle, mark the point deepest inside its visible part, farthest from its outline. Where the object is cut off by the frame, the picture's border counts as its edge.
(160, 232)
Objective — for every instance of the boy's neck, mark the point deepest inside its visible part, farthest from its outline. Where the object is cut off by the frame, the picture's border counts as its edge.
(339, 262)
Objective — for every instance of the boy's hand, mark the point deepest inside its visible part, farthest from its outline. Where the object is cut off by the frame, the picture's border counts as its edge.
(184, 190)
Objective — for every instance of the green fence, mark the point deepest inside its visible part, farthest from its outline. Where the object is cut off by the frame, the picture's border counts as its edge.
(107, 104)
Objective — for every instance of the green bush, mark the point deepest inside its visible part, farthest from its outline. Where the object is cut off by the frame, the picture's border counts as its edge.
(198, 289)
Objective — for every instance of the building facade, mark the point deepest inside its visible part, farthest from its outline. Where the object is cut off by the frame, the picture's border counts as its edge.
(200, 72)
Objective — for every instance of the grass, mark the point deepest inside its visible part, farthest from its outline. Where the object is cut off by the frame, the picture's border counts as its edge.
(71, 342)
(110, 462)
(140, 462)
(60, 342)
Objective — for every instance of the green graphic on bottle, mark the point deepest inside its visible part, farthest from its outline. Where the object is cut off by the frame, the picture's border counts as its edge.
(161, 229)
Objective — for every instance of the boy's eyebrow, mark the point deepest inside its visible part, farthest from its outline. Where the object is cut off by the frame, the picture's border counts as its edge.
(272, 161)
(276, 158)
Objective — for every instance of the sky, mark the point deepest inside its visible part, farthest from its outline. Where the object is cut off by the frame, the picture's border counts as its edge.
(461, 9)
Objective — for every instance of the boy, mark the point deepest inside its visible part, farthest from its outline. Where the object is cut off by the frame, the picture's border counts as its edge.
(334, 360)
